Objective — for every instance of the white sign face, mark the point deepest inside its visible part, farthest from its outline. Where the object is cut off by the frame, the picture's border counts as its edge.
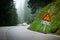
(46, 22)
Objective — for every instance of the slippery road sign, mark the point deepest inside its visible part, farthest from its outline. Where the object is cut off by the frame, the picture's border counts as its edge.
(47, 17)
(46, 20)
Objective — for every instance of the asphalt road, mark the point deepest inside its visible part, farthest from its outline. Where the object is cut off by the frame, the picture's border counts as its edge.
(22, 33)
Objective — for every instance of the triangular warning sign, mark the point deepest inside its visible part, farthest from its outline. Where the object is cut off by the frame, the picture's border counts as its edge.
(47, 17)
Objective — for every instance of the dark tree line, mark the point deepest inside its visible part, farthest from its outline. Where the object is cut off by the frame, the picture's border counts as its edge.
(8, 16)
(36, 4)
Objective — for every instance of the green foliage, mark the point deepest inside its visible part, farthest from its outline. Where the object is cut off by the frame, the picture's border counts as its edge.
(58, 32)
(8, 16)
(54, 8)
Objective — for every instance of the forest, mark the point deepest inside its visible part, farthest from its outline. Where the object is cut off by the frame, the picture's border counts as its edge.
(8, 15)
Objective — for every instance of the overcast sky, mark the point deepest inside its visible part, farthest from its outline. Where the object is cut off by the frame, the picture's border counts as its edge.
(20, 3)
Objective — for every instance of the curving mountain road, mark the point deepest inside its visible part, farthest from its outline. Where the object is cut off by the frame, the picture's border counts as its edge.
(21, 32)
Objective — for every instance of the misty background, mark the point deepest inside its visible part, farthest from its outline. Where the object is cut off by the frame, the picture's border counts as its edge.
(24, 13)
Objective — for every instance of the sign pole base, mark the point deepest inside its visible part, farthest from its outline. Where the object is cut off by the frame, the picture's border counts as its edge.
(44, 28)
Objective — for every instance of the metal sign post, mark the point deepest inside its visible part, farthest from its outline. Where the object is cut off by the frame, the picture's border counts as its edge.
(44, 28)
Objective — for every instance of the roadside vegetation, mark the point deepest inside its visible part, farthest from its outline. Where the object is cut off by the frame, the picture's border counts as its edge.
(54, 27)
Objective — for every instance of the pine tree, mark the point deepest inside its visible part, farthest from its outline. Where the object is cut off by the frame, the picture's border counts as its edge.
(36, 4)
(8, 16)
